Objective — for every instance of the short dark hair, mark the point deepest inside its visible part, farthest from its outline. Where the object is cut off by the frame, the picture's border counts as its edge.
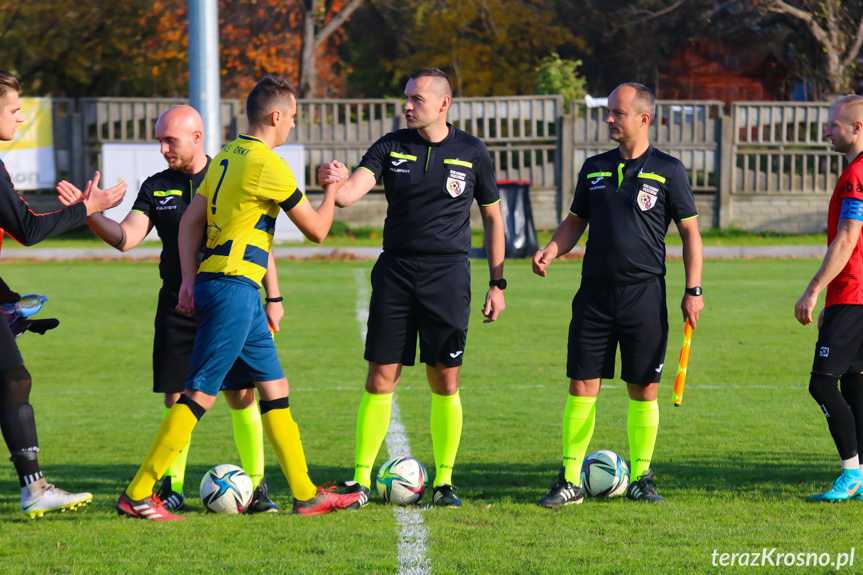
(8, 83)
(433, 73)
(644, 98)
(268, 95)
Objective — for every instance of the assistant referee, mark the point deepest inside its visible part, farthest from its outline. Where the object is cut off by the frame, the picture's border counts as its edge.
(629, 196)
(432, 173)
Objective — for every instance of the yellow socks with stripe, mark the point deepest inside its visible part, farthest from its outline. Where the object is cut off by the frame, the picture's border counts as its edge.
(173, 436)
(579, 417)
(446, 418)
(249, 437)
(642, 423)
(177, 470)
(284, 437)
(373, 421)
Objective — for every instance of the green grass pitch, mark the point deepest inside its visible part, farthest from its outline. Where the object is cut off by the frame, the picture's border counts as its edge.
(736, 463)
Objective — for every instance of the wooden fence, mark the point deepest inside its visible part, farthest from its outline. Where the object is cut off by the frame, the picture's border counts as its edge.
(759, 149)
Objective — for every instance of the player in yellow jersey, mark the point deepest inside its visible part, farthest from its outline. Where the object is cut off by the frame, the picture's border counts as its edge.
(237, 203)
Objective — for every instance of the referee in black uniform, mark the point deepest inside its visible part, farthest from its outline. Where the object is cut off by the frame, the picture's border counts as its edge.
(431, 173)
(629, 196)
(161, 202)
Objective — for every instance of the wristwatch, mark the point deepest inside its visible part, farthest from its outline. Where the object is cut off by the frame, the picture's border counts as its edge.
(501, 283)
(696, 291)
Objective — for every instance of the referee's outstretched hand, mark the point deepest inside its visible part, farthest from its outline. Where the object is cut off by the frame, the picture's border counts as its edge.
(494, 304)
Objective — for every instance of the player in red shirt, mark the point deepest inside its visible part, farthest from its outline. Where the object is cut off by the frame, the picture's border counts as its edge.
(839, 350)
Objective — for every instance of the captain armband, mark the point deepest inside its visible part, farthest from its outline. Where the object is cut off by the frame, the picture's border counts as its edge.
(852, 209)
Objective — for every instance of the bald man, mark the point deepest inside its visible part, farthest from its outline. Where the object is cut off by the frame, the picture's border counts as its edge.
(839, 349)
(629, 196)
(161, 202)
(432, 173)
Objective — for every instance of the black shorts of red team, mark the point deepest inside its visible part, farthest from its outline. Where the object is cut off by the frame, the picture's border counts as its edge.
(839, 349)
(173, 342)
(424, 294)
(603, 316)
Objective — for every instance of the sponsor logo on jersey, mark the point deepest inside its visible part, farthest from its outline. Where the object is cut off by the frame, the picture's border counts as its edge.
(400, 170)
(824, 352)
(596, 181)
(399, 162)
(166, 200)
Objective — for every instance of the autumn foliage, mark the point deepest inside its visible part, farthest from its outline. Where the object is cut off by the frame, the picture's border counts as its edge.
(257, 37)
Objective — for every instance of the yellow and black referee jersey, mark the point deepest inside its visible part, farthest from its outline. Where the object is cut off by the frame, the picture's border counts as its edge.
(245, 186)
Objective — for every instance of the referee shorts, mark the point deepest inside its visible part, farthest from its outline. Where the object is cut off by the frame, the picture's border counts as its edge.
(839, 349)
(429, 295)
(634, 316)
(172, 344)
(234, 345)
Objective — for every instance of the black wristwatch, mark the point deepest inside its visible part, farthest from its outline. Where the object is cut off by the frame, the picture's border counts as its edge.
(696, 291)
(501, 283)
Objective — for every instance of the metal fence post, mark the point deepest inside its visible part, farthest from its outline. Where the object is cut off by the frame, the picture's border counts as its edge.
(726, 159)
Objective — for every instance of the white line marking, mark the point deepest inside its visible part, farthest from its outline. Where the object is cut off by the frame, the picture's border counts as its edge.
(413, 534)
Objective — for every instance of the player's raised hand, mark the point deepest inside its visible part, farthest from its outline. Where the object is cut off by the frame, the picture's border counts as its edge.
(68, 194)
(186, 300)
(494, 304)
(99, 200)
(541, 260)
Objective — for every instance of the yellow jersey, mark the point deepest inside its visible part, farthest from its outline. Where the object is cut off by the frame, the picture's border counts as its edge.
(246, 185)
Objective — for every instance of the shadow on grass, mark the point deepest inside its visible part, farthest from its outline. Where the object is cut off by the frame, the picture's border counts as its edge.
(757, 475)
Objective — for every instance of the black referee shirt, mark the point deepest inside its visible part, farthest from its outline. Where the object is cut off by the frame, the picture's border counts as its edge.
(630, 204)
(430, 188)
(164, 198)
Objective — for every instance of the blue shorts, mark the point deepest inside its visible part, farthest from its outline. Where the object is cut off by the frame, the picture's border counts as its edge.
(233, 345)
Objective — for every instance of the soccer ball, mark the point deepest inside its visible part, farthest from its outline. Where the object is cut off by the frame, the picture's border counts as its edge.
(226, 489)
(402, 480)
(604, 474)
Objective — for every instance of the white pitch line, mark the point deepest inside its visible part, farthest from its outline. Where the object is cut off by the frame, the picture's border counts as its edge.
(413, 534)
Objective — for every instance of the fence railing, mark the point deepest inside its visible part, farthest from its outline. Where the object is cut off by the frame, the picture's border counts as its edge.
(760, 148)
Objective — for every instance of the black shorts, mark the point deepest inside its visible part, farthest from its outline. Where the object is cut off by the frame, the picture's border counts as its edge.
(9, 355)
(635, 316)
(172, 344)
(425, 294)
(839, 349)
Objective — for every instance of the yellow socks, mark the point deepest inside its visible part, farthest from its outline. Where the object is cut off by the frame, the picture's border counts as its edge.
(446, 420)
(249, 437)
(173, 436)
(642, 424)
(284, 437)
(373, 421)
(579, 417)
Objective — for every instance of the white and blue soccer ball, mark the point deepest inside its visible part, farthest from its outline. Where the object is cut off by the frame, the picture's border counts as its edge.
(226, 489)
(604, 474)
(402, 481)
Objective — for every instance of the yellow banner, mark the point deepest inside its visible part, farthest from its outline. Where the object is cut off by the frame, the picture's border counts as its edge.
(37, 129)
(29, 157)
